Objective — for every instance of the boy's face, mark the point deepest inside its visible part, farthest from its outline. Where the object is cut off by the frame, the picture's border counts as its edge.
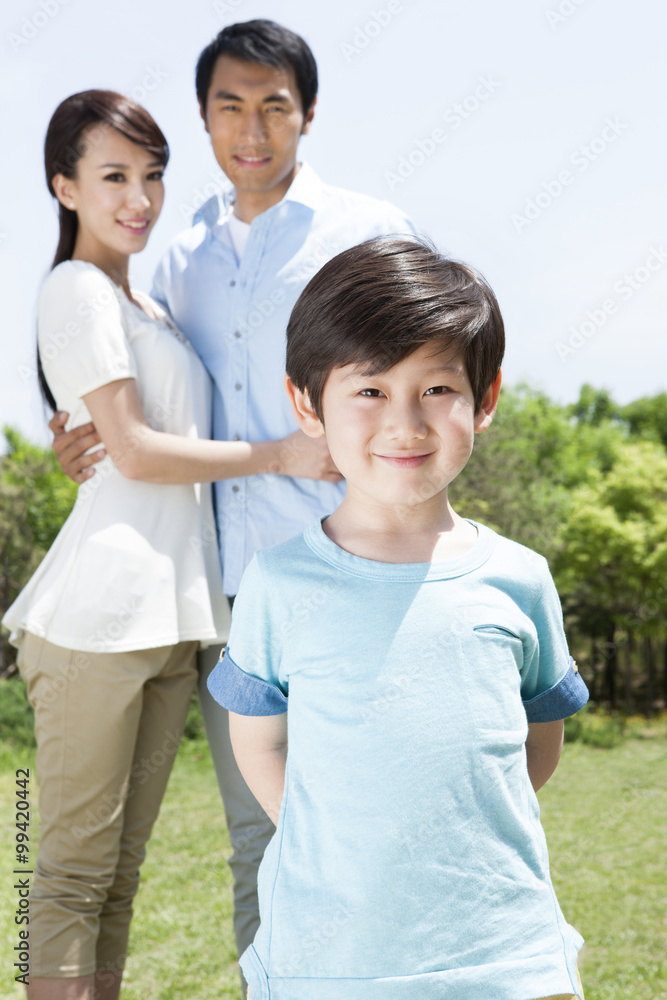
(255, 119)
(401, 437)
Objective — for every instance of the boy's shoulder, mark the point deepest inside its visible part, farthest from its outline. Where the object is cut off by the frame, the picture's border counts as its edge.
(519, 569)
(519, 556)
(289, 562)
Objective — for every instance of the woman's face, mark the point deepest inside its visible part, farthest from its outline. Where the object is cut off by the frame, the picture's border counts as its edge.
(117, 194)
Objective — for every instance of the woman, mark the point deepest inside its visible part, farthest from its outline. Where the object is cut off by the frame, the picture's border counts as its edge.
(109, 625)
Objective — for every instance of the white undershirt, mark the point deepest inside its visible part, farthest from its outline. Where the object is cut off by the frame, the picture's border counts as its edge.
(239, 232)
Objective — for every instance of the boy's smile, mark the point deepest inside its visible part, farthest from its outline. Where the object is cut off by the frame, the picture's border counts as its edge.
(402, 436)
(399, 438)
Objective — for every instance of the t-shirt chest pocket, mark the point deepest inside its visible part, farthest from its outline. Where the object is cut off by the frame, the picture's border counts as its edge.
(494, 656)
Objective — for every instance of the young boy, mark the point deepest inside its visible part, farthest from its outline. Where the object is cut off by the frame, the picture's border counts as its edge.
(424, 662)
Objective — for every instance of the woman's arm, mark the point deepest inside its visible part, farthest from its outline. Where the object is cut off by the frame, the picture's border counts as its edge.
(139, 452)
(260, 748)
(543, 748)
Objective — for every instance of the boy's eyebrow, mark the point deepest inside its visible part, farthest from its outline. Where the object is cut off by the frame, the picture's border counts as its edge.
(359, 372)
(445, 369)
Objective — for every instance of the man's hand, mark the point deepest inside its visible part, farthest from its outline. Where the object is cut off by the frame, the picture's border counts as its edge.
(306, 458)
(70, 447)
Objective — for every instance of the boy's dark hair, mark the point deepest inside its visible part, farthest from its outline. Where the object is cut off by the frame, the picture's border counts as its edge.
(376, 303)
(263, 42)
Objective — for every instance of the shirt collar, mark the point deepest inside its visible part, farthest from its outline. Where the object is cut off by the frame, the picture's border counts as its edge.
(306, 189)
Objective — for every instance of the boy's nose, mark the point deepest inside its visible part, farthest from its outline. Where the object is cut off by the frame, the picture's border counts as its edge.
(405, 423)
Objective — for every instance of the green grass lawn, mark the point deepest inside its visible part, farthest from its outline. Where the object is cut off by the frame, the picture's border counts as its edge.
(605, 813)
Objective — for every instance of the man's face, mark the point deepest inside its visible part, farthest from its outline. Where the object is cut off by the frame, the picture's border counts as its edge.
(255, 119)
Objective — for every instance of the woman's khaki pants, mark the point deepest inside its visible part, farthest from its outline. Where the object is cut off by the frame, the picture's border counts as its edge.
(108, 727)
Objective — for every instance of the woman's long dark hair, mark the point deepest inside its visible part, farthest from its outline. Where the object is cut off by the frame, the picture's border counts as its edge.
(78, 123)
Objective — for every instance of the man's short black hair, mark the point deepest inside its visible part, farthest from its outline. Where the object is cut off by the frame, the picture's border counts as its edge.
(266, 43)
(376, 303)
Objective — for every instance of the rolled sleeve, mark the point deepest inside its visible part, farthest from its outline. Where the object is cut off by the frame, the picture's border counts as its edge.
(560, 701)
(242, 693)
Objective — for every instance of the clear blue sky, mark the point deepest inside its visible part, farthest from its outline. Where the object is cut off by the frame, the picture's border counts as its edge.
(527, 138)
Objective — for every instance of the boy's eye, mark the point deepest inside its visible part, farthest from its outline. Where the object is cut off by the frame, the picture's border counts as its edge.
(372, 393)
(437, 390)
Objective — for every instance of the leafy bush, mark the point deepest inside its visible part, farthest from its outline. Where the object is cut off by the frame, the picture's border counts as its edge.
(17, 723)
(595, 728)
(194, 724)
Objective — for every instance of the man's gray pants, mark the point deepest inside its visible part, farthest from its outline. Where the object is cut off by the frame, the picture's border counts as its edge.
(250, 829)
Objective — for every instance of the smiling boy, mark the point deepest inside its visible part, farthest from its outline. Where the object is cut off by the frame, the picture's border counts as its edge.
(397, 675)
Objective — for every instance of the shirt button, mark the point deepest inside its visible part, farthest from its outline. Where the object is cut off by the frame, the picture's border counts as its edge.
(238, 386)
(231, 284)
(235, 489)
(237, 334)
(237, 437)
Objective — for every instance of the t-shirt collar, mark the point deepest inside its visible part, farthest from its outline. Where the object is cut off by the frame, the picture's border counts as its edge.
(306, 189)
(320, 543)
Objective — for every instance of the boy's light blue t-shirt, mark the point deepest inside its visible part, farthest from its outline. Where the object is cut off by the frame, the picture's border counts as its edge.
(408, 861)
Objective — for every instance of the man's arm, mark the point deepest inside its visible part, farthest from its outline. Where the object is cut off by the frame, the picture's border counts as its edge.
(543, 749)
(70, 447)
(260, 748)
(153, 456)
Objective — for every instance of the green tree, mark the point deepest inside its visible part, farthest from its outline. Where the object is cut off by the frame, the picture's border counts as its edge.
(611, 562)
(647, 417)
(35, 499)
(594, 406)
(523, 469)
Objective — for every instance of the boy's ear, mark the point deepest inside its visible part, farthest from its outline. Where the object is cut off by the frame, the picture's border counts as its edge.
(487, 410)
(307, 419)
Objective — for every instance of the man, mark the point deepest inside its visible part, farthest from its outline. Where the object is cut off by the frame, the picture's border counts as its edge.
(230, 283)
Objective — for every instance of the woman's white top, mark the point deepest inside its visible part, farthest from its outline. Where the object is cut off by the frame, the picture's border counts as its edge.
(136, 564)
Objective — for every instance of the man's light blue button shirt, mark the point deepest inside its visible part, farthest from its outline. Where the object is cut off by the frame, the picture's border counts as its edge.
(235, 315)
